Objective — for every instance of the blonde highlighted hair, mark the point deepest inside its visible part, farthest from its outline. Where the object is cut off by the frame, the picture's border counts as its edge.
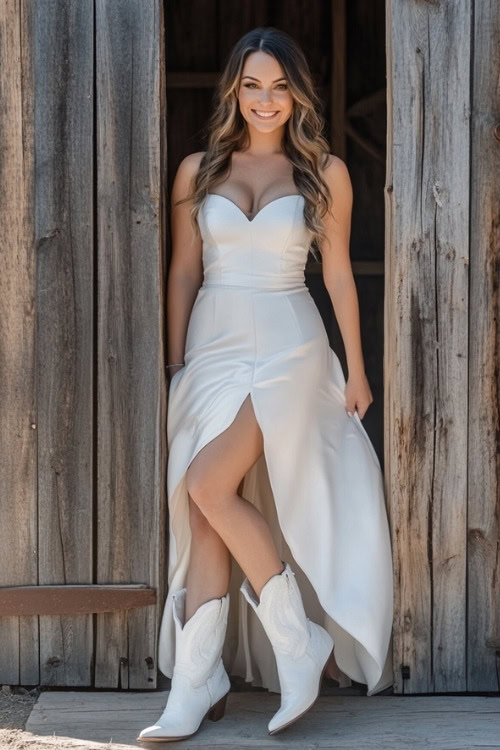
(303, 141)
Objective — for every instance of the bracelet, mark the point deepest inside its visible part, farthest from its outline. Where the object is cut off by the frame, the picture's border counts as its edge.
(175, 365)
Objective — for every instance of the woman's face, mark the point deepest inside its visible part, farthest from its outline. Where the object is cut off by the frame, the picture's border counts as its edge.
(264, 98)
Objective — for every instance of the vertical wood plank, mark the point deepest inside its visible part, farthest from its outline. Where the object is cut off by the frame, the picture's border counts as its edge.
(392, 471)
(131, 450)
(426, 336)
(18, 419)
(484, 385)
(338, 79)
(65, 327)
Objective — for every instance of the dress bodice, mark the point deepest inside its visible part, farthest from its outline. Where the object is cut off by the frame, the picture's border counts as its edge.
(269, 251)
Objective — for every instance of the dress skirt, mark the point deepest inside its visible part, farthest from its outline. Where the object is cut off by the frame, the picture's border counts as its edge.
(318, 482)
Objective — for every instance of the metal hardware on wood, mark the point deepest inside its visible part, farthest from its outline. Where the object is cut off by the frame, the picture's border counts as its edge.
(405, 672)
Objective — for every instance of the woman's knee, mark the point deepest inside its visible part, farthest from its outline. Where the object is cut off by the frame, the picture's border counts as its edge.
(200, 487)
(198, 522)
(207, 490)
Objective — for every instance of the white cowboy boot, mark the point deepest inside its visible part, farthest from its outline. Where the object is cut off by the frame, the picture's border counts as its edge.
(200, 683)
(302, 648)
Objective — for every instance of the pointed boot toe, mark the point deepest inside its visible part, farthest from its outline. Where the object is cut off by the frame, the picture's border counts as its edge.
(302, 647)
(200, 683)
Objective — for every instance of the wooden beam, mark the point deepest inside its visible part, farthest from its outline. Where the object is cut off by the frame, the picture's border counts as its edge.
(359, 268)
(367, 104)
(338, 80)
(77, 599)
(369, 147)
(192, 79)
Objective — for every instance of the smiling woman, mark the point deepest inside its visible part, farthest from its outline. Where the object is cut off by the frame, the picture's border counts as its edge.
(265, 115)
(261, 400)
(271, 112)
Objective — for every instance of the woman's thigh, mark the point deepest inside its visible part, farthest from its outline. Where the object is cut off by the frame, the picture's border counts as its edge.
(222, 463)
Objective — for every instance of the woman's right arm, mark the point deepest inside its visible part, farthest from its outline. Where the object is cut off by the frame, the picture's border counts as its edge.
(185, 274)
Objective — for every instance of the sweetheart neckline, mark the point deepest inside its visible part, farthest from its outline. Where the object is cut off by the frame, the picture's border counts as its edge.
(250, 221)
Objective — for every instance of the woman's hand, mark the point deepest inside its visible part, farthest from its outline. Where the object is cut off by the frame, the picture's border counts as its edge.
(357, 394)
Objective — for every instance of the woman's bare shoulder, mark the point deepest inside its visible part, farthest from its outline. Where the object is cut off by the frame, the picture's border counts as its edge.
(186, 171)
(333, 165)
(336, 174)
(190, 164)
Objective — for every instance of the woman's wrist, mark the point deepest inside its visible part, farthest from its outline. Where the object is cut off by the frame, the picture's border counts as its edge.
(355, 365)
(173, 368)
(356, 373)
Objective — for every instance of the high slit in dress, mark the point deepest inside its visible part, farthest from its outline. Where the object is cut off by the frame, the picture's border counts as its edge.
(255, 330)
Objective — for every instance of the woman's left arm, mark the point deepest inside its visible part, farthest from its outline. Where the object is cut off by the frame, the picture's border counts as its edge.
(339, 281)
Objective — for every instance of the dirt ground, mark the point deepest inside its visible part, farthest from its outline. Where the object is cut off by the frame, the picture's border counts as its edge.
(15, 707)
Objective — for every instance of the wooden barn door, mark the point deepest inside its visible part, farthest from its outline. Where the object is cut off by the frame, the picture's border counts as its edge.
(82, 390)
(442, 333)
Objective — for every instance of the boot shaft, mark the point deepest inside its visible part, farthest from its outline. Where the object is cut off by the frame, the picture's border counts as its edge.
(199, 641)
(281, 612)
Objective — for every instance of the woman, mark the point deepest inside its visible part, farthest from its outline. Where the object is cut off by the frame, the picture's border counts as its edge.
(258, 403)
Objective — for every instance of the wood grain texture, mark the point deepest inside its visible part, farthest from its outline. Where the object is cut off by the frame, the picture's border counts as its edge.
(72, 599)
(131, 398)
(426, 334)
(483, 643)
(63, 48)
(340, 722)
(18, 417)
(83, 233)
(338, 80)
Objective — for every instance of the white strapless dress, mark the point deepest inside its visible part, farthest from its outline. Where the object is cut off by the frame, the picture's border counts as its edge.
(255, 329)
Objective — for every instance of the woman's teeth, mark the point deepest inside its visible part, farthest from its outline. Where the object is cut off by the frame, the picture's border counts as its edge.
(264, 115)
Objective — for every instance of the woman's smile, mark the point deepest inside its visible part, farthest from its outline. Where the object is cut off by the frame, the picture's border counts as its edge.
(263, 115)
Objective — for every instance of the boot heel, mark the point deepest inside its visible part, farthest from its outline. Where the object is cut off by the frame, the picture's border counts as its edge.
(217, 710)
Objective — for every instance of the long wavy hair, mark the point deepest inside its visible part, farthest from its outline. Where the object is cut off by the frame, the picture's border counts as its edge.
(303, 141)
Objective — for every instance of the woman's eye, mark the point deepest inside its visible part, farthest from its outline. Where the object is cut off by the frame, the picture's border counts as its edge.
(247, 85)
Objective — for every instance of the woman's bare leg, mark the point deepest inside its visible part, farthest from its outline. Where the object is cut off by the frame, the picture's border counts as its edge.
(212, 482)
(209, 569)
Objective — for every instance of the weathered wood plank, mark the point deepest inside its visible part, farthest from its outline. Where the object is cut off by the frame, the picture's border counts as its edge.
(131, 406)
(72, 599)
(18, 420)
(388, 722)
(426, 335)
(483, 662)
(338, 81)
(391, 468)
(63, 43)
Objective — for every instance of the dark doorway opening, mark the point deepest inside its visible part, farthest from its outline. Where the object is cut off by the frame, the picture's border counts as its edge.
(345, 47)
